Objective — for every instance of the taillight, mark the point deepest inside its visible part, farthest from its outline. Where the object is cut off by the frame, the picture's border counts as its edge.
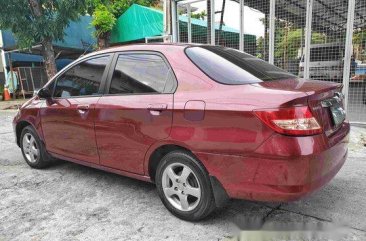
(297, 121)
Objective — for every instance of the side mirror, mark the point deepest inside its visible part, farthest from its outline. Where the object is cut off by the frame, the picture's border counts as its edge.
(44, 93)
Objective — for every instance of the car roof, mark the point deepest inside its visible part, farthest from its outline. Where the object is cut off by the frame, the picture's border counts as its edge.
(160, 47)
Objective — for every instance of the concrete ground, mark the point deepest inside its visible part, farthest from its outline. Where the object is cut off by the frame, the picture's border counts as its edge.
(11, 104)
(72, 202)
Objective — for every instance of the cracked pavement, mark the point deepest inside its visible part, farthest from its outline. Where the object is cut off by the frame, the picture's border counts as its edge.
(73, 202)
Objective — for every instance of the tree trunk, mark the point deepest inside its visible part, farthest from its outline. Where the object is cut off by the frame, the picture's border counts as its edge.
(102, 43)
(35, 7)
(49, 58)
(47, 48)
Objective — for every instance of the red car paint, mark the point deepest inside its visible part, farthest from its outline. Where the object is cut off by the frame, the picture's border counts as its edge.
(216, 122)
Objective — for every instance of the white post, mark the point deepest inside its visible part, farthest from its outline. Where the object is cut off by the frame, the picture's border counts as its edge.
(212, 30)
(241, 32)
(165, 25)
(309, 18)
(3, 60)
(348, 51)
(272, 18)
(2, 53)
(189, 24)
(178, 30)
(174, 21)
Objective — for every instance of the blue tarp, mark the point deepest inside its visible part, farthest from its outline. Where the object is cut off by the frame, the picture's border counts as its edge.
(78, 36)
(32, 58)
(20, 57)
(8, 39)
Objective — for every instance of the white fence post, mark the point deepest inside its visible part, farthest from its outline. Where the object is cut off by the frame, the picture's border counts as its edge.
(309, 17)
(212, 30)
(348, 51)
(241, 32)
(189, 23)
(272, 26)
(2, 53)
(174, 20)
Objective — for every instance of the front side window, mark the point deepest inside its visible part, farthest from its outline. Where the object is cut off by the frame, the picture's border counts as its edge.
(83, 79)
(141, 73)
(232, 67)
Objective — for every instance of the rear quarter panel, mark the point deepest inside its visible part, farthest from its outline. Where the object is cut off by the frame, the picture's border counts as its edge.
(229, 125)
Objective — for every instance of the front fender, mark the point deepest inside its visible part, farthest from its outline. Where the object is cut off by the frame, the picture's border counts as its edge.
(28, 115)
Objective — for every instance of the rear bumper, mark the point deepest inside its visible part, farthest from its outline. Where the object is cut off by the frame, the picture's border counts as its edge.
(283, 168)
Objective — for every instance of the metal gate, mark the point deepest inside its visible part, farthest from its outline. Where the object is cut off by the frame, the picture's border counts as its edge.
(31, 79)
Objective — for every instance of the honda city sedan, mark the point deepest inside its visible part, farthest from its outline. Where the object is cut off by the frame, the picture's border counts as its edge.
(204, 123)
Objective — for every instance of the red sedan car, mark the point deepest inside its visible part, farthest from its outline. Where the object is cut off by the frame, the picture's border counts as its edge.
(204, 123)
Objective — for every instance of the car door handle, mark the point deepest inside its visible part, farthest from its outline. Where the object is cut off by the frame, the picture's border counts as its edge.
(83, 108)
(157, 107)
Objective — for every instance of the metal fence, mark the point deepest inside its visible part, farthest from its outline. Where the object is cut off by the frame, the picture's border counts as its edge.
(314, 39)
(31, 79)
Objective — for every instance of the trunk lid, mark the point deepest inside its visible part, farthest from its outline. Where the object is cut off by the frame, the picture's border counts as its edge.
(324, 99)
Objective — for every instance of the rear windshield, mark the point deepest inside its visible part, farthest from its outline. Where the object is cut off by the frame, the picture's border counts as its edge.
(232, 67)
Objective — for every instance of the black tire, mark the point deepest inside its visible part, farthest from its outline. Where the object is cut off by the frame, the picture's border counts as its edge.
(205, 204)
(43, 159)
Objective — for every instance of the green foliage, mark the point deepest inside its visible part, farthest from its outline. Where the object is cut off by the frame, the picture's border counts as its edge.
(288, 44)
(120, 6)
(287, 40)
(260, 48)
(106, 12)
(30, 29)
(359, 38)
(199, 15)
(103, 20)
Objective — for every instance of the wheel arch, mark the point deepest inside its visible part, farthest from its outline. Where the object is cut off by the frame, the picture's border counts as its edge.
(220, 195)
(19, 128)
(157, 153)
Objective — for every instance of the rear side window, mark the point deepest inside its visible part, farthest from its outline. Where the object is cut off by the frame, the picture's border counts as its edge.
(83, 79)
(232, 67)
(141, 73)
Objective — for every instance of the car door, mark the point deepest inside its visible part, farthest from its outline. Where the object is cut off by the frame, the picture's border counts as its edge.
(136, 111)
(68, 118)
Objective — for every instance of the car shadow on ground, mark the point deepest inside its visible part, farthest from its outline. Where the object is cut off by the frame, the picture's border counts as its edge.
(233, 209)
(333, 202)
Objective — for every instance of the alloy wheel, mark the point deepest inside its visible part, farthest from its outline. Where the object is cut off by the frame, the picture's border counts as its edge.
(181, 187)
(30, 148)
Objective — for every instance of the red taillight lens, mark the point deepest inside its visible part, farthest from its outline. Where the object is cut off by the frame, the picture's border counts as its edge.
(297, 121)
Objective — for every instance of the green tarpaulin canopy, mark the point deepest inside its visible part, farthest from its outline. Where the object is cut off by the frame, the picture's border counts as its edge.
(139, 22)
